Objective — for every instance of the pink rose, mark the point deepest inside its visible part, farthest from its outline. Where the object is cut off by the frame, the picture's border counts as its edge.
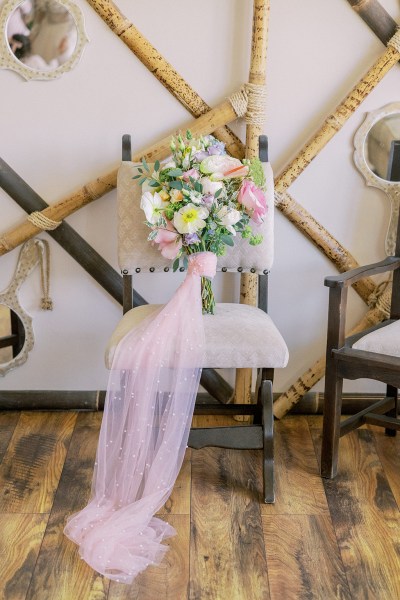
(169, 241)
(253, 199)
(193, 173)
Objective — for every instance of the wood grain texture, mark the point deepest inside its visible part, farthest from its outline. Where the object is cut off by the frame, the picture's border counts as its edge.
(227, 557)
(20, 540)
(8, 422)
(365, 516)
(304, 546)
(168, 581)
(179, 501)
(60, 573)
(299, 489)
(31, 467)
(388, 449)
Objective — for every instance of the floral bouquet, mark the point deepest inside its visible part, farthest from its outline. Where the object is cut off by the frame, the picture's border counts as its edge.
(200, 201)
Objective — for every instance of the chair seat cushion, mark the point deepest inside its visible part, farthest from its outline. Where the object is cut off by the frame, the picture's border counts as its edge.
(237, 335)
(385, 340)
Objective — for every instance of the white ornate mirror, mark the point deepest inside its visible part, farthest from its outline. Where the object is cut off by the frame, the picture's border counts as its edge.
(16, 332)
(41, 39)
(377, 156)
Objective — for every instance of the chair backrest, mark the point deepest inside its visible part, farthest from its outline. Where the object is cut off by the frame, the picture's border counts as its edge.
(137, 254)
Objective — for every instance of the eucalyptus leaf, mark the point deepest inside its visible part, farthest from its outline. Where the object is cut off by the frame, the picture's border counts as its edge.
(175, 265)
(176, 184)
(227, 239)
(157, 165)
(175, 173)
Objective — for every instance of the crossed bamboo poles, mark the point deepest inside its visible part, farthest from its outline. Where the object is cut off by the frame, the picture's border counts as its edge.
(221, 116)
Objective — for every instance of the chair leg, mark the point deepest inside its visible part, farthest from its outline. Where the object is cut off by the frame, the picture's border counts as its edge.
(268, 431)
(392, 392)
(331, 424)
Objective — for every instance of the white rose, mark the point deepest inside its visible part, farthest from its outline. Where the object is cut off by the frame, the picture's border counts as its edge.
(210, 187)
(229, 217)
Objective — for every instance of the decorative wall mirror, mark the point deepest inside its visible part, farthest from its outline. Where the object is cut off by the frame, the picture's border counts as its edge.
(16, 332)
(377, 156)
(41, 39)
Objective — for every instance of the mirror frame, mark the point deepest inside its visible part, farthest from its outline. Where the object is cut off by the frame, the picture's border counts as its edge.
(9, 61)
(12, 303)
(391, 188)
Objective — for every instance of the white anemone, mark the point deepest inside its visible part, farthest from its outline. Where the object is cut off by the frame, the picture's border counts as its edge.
(190, 218)
(152, 205)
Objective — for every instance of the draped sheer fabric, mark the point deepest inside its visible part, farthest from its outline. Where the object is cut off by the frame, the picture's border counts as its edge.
(147, 415)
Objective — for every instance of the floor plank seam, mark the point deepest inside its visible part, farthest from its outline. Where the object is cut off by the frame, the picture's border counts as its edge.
(340, 555)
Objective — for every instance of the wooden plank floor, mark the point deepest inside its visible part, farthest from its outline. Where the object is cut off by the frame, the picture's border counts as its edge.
(321, 540)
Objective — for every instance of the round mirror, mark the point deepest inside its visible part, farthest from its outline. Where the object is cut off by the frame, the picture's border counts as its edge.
(42, 35)
(382, 148)
(40, 39)
(12, 334)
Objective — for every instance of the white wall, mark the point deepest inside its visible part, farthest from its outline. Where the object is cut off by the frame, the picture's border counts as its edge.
(59, 135)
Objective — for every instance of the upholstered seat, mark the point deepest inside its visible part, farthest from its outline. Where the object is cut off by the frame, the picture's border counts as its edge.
(385, 340)
(237, 335)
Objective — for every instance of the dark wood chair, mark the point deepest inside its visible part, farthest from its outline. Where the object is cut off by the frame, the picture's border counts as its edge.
(260, 345)
(372, 354)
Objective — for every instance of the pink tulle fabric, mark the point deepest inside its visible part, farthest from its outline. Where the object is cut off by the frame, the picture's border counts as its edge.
(147, 416)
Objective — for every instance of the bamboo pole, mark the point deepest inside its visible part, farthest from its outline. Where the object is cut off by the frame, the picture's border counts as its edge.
(324, 241)
(338, 118)
(162, 69)
(257, 75)
(296, 391)
(205, 124)
(376, 17)
(331, 126)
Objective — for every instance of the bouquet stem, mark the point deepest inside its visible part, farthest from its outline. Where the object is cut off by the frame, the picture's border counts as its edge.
(207, 297)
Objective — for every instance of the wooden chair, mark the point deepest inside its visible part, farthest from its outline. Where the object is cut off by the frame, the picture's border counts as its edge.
(373, 354)
(237, 336)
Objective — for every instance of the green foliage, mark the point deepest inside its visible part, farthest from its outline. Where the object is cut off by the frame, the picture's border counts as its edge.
(256, 172)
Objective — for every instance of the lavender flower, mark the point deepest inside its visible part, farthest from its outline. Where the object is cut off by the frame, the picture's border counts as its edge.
(191, 238)
(208, 200)
(216, 148)
(201, 155)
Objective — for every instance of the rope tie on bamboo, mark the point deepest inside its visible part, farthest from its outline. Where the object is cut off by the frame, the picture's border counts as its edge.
(4, 244)
(395, 41)
(39, 220)
(249, 102)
